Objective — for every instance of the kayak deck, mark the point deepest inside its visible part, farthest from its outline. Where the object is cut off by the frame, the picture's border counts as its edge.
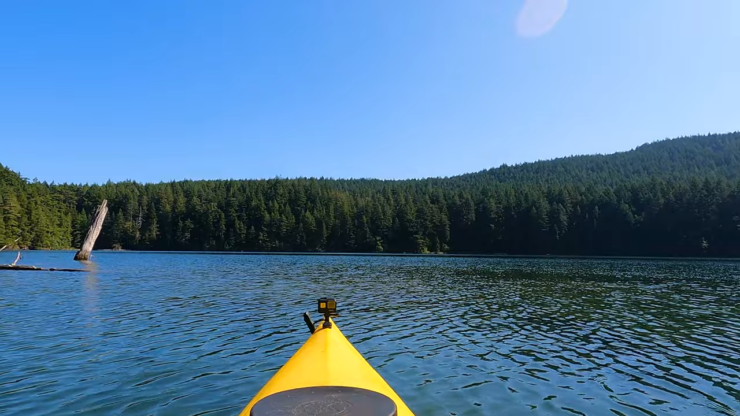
(327, 358)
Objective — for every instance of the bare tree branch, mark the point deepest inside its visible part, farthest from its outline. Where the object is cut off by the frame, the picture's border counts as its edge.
(18, 257)
(16, 240)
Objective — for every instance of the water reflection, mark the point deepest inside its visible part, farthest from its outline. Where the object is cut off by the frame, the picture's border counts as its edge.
(91, 293)
(190, 334)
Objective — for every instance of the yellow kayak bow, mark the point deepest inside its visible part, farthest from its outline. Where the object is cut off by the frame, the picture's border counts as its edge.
(326, 376)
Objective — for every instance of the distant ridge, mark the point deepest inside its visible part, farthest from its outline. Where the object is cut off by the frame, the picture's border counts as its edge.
(712, 155)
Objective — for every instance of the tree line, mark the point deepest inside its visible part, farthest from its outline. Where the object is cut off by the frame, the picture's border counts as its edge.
(671, 198)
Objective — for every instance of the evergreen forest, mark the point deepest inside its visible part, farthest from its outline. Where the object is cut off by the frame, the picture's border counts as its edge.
(678, 197)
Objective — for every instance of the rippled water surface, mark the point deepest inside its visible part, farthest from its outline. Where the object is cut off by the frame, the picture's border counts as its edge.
(179, 334)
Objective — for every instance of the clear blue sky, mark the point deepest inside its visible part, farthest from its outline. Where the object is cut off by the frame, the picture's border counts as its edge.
(173, 89)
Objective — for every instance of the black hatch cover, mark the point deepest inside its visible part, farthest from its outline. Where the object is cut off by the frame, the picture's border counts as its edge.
(325, 401)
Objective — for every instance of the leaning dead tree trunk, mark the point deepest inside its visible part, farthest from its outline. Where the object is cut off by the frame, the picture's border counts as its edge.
(93, 232)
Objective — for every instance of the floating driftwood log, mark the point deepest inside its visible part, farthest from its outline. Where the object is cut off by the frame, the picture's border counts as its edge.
(32, 268)
(83, 254)
(93, 232)
(14, 265)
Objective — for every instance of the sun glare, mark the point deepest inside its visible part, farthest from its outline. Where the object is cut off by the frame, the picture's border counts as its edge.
(537, 17)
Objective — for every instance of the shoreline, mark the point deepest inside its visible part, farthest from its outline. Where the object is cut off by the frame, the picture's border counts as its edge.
(432, 255)
(421, 255)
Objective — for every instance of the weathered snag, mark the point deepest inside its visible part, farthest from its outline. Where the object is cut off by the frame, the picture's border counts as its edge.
(93, 232)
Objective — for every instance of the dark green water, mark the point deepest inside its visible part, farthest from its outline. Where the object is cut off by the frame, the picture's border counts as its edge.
(173, 334)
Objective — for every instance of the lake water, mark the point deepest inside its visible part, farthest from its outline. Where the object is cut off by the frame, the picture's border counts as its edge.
(183, 334)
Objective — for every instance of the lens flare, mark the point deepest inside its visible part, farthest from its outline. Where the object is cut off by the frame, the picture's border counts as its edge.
(538, 17)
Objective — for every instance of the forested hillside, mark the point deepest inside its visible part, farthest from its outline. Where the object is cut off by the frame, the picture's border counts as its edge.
(673, 197)
(713, 156)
